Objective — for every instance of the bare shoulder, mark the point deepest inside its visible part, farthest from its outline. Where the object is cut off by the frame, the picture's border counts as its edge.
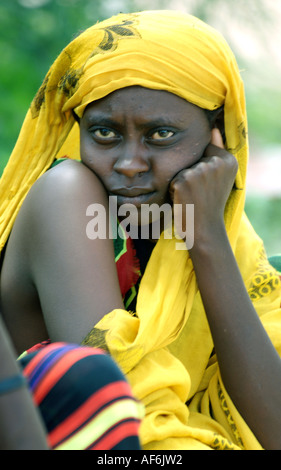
(73, 277)
(55, 207)
(69, 179)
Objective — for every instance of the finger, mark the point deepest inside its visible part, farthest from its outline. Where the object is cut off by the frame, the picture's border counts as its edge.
(174, 181)
(216, 138)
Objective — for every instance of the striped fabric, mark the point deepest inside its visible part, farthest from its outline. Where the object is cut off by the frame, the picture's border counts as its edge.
(84, 399)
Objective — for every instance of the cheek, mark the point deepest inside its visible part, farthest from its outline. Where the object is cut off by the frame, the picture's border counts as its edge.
(85, 149)
(96, 165)
(195, 149)
(165, 170)
(202, 138)
(92, 160)
(182, 157)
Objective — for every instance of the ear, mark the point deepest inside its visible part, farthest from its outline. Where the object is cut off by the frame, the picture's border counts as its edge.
(217, 121)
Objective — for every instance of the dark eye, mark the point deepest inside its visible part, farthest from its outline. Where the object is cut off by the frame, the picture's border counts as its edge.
(104, 133)
(162, 134)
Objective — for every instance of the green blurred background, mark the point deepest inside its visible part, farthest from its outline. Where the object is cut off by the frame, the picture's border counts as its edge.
(33, 32)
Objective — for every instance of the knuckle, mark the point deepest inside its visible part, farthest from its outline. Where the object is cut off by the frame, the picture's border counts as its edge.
(233, 163)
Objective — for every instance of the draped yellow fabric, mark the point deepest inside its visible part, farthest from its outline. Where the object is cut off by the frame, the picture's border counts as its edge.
(166, 349)
(159, 50)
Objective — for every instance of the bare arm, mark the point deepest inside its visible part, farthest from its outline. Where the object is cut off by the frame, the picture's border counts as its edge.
(249, 364)
(75, 277)
(20, 425)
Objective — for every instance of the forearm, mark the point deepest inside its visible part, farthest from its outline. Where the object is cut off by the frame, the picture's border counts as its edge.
(249, 365)
(20, 424)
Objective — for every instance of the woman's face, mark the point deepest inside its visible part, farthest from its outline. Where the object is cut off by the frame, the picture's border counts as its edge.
(137, 139)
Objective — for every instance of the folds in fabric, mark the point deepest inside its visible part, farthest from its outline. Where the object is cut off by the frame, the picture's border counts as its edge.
(164, 50)
(177, 376)
(165, 348)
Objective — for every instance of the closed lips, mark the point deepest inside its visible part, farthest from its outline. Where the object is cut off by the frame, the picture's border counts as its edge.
(131, 192)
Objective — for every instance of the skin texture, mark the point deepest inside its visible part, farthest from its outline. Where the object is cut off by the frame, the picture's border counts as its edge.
(29, 432)
(60, 292)
(140, 150)
(57, 283)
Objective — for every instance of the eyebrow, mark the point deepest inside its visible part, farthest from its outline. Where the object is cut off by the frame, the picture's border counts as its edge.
(104, 119)
(101, 120)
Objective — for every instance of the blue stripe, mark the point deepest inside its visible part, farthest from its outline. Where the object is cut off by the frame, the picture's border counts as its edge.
(47, 362)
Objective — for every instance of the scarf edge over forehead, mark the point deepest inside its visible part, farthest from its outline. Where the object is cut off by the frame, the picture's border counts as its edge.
(163, 50)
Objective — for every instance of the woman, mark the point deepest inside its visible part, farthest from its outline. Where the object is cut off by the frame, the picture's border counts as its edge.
(160, 107)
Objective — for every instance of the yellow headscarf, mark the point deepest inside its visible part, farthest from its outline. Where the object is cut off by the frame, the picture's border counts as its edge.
(166, 349)
(160, 50)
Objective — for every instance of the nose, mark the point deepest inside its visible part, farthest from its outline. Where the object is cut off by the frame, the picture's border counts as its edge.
(133, 160)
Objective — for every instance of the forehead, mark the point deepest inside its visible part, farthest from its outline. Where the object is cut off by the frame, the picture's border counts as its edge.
(145, 103)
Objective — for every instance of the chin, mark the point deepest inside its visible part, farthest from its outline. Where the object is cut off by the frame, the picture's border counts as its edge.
(146, 222)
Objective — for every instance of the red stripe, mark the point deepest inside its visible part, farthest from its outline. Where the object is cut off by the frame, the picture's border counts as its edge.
(59, 369)
(77, 419)
(124, 430)
(39, 356)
